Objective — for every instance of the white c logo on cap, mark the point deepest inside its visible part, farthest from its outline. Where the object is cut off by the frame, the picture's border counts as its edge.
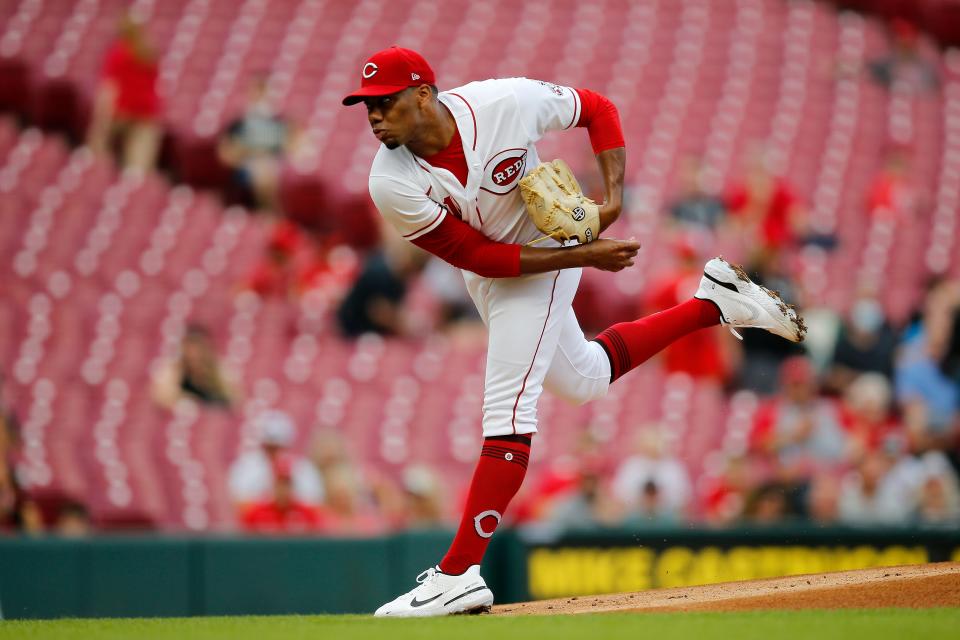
(369, 70)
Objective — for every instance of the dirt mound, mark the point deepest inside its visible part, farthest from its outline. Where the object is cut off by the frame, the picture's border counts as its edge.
(921, 586)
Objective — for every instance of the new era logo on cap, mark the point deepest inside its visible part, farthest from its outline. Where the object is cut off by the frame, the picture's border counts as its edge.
(390, 71)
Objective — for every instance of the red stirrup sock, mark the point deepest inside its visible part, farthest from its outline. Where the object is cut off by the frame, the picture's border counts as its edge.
(629, 344)
(498, 476)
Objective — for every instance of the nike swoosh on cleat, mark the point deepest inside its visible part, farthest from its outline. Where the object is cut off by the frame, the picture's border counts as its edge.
(420, 603)
(725, 285)
(465, 593)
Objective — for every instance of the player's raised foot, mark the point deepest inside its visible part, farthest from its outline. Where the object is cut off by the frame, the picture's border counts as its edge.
(439, 594)
(743, 303)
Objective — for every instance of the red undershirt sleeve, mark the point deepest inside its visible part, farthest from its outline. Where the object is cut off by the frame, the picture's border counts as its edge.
(602, 120)
(464, 247)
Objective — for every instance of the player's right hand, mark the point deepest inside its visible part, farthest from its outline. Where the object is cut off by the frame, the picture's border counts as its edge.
(610, 255)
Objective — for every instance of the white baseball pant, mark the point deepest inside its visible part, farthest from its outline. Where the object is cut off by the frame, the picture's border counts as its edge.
(535, 341)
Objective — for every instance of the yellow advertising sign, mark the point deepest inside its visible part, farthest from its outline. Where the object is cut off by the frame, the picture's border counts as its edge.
(569, 571)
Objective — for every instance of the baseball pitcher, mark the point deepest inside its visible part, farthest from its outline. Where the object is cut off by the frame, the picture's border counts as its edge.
(458, 175)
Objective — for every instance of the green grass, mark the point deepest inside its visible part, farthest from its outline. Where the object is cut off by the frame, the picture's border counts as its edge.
(873, 624)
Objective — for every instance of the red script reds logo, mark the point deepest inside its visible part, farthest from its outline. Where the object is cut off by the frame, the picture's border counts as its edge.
(503, 171)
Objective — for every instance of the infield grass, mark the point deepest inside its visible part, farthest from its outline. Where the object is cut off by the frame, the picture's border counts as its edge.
(875, 624)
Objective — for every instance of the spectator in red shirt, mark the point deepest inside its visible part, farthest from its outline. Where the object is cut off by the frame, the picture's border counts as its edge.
(699, 354)
(893, 192)
(127, 104)
(766, 205)
(275, 273)
(349, 506)
(800, 430)
(283, 513)
(868, 419)
(724, 496)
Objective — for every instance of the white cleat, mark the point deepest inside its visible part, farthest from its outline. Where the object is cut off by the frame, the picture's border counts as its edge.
(439, 594)
(743, 303)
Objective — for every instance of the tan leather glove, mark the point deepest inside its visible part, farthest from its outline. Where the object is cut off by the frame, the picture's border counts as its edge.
(556, 204)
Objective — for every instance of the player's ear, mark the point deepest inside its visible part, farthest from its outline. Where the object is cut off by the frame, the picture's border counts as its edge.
(424, 94)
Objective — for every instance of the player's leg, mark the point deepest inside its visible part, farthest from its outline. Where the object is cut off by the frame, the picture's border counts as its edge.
(142, 145)
(725, 295)
(580, 370)
(630, 344)
(525, 318)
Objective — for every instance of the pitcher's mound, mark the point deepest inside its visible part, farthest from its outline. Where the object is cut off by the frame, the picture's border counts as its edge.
(920, 586)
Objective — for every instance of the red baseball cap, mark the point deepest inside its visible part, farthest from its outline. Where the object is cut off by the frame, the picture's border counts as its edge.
(390, 71)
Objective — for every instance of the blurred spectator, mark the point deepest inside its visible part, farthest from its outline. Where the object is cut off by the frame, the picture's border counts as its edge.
(768, 504)
(329, 272)
(800, 429)
(881, 490)
(253, 147)
(275, 273)
(534, 501)
(893, 192)
(945, 328)
(375, 302)
(905, 68)
(929, 396)
(652, 484)
(349, 508)
(73, 520)
(588, 505)
(377, 501)
(251, 476)
(650, 508)
(866, 342)
(17, 511)
(559, 479)
(283, 512)
(725, 495)
(823, 499)
(693, 205)
(765, 205)
(939, 500)
(127, 105)
(302, 265)
(700, 354)
(196, 374)
(868, 417)
(423, 498)
(328, 450)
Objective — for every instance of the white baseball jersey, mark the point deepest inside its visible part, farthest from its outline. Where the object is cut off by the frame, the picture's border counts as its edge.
(534, 337)
(499, 122)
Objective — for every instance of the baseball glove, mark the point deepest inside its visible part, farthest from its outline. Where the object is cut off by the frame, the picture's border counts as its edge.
(556, 204)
